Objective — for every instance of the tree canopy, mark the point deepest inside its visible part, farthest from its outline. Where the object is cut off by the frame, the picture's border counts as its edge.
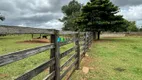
(71, 12)
(132, 26)
(2, 18)
(99, 15)
(95, 16)
(125, 26)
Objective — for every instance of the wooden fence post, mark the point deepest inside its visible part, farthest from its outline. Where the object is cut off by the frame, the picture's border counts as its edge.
(84, 44)
(91, 38)
(55, 52)
(77, 36)
(87, 41)
(32, 36)
(40, 36)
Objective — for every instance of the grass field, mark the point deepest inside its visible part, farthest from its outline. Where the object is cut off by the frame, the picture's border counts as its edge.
(109, 59)
(113, 59)
(13, 70)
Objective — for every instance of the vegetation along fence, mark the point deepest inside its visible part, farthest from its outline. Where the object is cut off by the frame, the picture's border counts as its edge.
(53, 64)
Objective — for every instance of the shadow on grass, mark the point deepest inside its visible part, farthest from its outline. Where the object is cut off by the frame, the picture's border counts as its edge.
(119, 69)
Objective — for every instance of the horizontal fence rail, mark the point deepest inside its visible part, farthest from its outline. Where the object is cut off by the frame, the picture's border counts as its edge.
(71, 66)
(81, 41)
(66, 42)
(67, 33)
(15, 56)
(67, 52)
(29, 75)
(24, 30)
(68, 61)
(50, 76)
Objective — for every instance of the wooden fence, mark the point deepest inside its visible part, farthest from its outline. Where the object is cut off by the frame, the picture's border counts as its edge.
(54, 63)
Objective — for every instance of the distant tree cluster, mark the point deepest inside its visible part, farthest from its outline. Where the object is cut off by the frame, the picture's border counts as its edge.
(126, 26)
(95, 16)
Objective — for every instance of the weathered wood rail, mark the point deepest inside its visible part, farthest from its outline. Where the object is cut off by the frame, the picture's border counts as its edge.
(54, 63)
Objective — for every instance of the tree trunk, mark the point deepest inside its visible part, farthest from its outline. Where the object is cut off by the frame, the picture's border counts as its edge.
(32, 36)
(99, 35)
(94, 36)
(40, 36)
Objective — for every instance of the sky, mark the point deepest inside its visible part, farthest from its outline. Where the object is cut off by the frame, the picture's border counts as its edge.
(45, 13)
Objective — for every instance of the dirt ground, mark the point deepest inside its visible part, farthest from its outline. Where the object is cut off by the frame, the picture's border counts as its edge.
(35, 41)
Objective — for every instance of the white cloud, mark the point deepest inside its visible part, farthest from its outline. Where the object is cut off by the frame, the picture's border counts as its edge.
(83, 1)
(30, 12)
(33, 13)
(132, 13)
(126, 2)
(139, 23)
(53, 24)
(45, 13)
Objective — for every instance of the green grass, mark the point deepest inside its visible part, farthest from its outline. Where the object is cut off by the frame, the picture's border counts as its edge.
(11, 71)
(113, 59)
(11, 43)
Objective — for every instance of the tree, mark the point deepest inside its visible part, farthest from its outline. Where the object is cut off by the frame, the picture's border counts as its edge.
(126, 26)
(2, 18)
(140, 29)
(132, 26)
(99, 15)
(71, 12)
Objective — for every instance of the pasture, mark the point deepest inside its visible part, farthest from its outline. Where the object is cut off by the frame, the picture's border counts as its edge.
(113, 59)
(109, 59)
(12, 43)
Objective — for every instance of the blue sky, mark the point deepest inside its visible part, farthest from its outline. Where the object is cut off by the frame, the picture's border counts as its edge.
(45, 13)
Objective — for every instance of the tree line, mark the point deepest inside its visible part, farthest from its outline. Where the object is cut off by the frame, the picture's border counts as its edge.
(95, 16)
